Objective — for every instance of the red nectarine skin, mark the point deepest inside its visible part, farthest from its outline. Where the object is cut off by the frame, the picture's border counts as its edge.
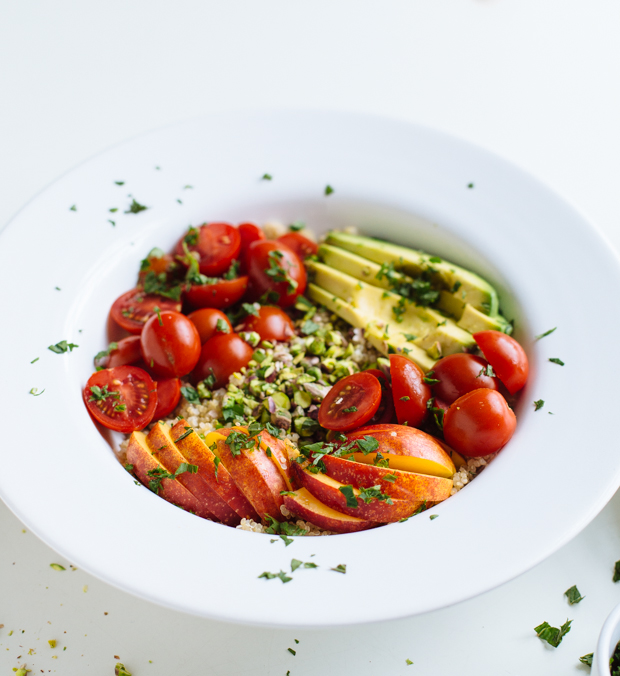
(164, 450)
(307, 507)
(171, 490)
(197, 453)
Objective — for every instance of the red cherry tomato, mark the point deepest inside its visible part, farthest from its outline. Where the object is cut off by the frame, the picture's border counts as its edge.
(220, 357)
(458, 374)
(299, 243)
(218, 245)
(271, 324)
(506, 356)
(122, 399)
(168, 397)
(170, 344)
(157, 265)
(385, 412)
(127, 351)
(131, 310)
(274, 268)
(207, 321)
(409, 389)
(222, 294)
(249, 233)
(479, 423)
(351, 402)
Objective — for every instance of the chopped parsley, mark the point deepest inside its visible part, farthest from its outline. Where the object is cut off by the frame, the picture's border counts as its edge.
(62, 347)
(546, 333)
(270, 576)
(102, 393)
(487, 371)
(296, 563)
(434, 259)
(251, 308)
(73, 208)
(408, 662)
(367, 445)
(105, 353)
(432, 517)
(409, 336)
(587, 659)
(552, 635)
(328, 190)
(135, 207)
(309, 327)
(266, 177)
(349, 494)
(340, 568)
(389, 477)
(555, 360)
(616, 577)
(374, 493)
(538, 404)
(158, 284)
(470, 185)
(405, 398)
(119, 182)
(351, 409)
(296, 226)
(188, 431)
(222, 326)
(190, 394)
(35, 392)
(277, 272)
(158, 474)
(573, 595)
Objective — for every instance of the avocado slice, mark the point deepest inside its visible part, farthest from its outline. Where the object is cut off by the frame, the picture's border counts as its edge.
(388, 311)
(373, 332)
(473, 320)
(461, 283)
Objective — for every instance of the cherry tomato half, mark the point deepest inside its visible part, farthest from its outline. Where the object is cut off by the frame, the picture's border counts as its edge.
(170, 344)
(218, 245)
(156, 264)
(222, 294)
(506, 356)
(122, 398)
(168, 397)
(385, 412)
(351, 402)
(271, 324)
(207, 320)
(458, 374)
(479, 423)
(274, 268)
(249, 233)
(131, 310)
(127, 351)
(409, 389)
(300, 244)
(220, 357)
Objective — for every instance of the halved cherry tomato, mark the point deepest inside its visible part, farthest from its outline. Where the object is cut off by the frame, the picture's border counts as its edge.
(385, 412)
(409, 389)
(458, 374)
(156, 264)
(351, 402)
(207, 320)
(271, 324)
(506, 356)
(170, 344)
(479, 423)
(275, 269)
(131, 310)
(222, 294)
(220, 357)
(168, 397)
(127, 351)
(122, 398)
(218, 245)
(249, 233)
(300, 244)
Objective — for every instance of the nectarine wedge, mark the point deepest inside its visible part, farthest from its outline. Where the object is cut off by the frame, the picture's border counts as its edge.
(304, 505)
(139, 455)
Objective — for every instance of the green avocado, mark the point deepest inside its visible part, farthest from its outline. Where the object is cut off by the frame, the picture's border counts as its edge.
(462, 285)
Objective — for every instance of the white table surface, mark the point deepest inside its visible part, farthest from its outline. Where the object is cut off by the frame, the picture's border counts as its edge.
(534, 80)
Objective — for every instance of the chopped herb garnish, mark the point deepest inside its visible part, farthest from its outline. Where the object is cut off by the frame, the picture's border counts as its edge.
(296, 226)
(374, 493)
(216, 462)
(546, 333)
(251, 308)
(291, 651)
(135, 207)
(73, 208)
(309, 327)
(573, 595)
(486, 371)
(340, 568)
(129, 467)
(367, 445)
(409, 336)
(349, 494)
(430, 381)
(555, 360)
(616, 577)
(328, 190)
(62, 347)
(432, 517)
(105, 353)
(119, 182)
(434, 259)
(113, 210)
(552, 635)
(188, 431)
(110, 221)
(57, 566)
(237, 441)
(470, 185)
(35, 359)
(270, 576)
(120, 407)
(405, 398)
(157, 311)
(190, 394)
(222, 326)
(351, 409)
(389, 477)
(408, 662)
(121, 670)
(266, 177)
(538, 404)
(34, 391)
(102, 393)
(587, 659)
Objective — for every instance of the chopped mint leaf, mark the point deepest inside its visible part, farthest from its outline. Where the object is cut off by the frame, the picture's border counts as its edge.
(328, 190)
(270, 576)
(135, 207)
(616, 577)
(57, 566)
(291, 651)
(552, 635)
(295, 563)
(34, 391)
(266, 177)
(546, 333)
(555, 360)
(296, 226)
(434, 259)
(573, 595)
(73, 208)
(470, 185)
(538, 404)
(62, 347)
(351, 409)
(487, 371)
(287, 541)
(367, 445)
(408, 662)
(587, 659)
(409, 336)
(390, 477)
(119, 182)
(340, 568)
(433, 516)
(348, 493)
(191, 394)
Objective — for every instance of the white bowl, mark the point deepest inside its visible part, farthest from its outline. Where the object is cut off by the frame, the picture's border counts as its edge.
(391, 179)
(607, 642)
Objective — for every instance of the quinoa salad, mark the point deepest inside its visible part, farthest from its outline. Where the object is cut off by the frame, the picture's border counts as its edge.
(282, 386)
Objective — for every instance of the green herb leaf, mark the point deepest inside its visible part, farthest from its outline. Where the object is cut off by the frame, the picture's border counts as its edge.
(552, 635)
(409, 336)
(587, 659)
(348, 493)
(309, 327)
(295, 563)
(35, 359)
(35, 392)
(222, 326)
(216, 462)
(266, 177)
(367, 445)
(340, 568)
(538, 404)
(434, 259)
(616, 577)
(287, 541)
(470, 185)
(296, 226)
(486, 371)
(129, 467)
(62, 347)
(432, 517)
(328, 190)
(351, 409)
(546, 333)
(408, 662)
(102, 393)
(73, 208)
(121, 670)
(374, 493)
(573, 595)
(291, 651)
(390, 477)
(191, 394)
(430, 381)
(555, 360)
(57, 566)
(135, 207)
(188, 431)
(251, 308)
(185, 467)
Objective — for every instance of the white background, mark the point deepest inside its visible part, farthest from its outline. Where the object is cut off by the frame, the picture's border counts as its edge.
(536, 81)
